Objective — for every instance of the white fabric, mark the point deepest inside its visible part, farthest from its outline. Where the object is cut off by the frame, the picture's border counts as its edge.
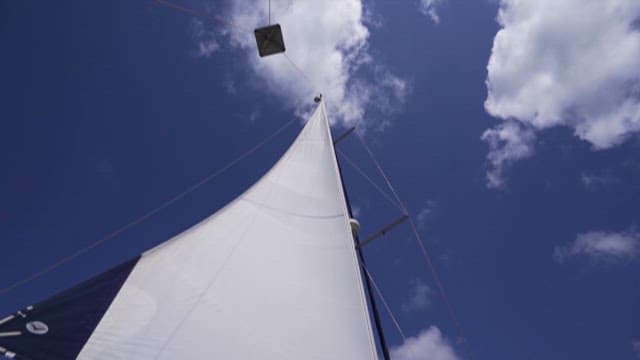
(273, 275)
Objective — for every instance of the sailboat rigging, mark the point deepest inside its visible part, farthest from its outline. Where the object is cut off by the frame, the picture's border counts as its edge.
(272, 275)
(278, 273)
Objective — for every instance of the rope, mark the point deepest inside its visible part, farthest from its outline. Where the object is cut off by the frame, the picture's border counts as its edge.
(147, 215)
(424, 252)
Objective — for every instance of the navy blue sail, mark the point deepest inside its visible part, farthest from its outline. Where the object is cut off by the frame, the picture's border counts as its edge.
(59, 327)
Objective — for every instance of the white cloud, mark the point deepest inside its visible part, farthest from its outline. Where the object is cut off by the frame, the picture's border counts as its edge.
(425, 213)
(508, 142)
(430, 9)
(328, 42)
(429, 344)
(602, 246)
(419, 297)
(573, 63)
(596, 181)
(206, 41)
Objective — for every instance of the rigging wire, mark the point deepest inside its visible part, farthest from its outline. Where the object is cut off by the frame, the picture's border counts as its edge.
(299, 70)
(384, 302)
(373, 183)
(179, 196)
(120, 230)
(423, 251)
(147, 215)
(384, 176)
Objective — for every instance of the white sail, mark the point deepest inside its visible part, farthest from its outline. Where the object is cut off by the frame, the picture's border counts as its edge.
(273, 275)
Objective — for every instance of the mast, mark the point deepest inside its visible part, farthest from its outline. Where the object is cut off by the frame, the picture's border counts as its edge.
(356, 239)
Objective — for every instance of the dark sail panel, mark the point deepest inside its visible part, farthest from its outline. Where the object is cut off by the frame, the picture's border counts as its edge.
(59, 327)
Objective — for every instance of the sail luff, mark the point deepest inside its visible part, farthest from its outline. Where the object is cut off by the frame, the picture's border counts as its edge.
(356, 253)
(361, 260)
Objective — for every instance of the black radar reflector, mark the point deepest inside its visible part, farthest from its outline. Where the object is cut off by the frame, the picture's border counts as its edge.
(269, 40)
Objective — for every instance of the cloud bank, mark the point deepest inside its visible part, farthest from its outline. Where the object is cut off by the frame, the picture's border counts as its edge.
(601, 246)
(573, 63)
(428, 344)
(327, 51)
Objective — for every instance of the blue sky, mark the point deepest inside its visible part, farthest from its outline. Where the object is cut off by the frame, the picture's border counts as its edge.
(512, 139)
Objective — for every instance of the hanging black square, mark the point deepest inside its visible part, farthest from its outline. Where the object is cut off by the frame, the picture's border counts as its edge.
(269, 40)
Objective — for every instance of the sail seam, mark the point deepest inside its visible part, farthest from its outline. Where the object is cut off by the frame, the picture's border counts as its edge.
(212, 282)
(214, 279)
(308, 216)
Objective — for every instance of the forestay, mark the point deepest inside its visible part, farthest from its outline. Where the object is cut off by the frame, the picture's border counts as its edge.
(273, 275)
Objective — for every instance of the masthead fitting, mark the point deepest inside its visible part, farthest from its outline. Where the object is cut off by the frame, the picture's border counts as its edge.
(318, 98)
